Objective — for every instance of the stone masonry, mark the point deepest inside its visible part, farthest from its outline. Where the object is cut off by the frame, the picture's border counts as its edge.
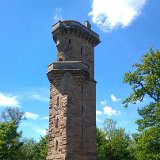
(72, 111)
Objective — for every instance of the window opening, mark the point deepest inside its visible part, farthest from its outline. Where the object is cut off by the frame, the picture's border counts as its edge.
(60, 59)
(56, 145)
(69, 41)
(58, 101)
(57, 122)
(82, 88)
(82, 135)
(82, 109)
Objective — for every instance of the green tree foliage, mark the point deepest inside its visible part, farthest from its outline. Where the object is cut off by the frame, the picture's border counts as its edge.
(9, 141)
(41, 149)
(148, 144)
(101, 144)
(32, 150)
(27, 151)
(12, 114)
(12, 146)
(113, 143)
(145, 81)
(10, 138)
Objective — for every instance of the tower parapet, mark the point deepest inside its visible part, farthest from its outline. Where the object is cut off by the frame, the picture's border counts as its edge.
(75, 28)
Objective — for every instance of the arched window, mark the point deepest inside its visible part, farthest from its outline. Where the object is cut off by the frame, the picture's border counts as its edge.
(57, 122)
(69, 41)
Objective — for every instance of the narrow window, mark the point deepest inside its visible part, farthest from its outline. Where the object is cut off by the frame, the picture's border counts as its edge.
(58, 101)
(57, 122)
(82, 136)
(82, 88)
(81, 50)
(56, 145)
(69, 41)
(82, 131)
(82, 109)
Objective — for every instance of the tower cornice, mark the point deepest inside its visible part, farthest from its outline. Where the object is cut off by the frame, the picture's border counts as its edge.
(70, 27)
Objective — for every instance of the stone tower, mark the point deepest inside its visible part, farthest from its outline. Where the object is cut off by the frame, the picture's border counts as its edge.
(72, 111)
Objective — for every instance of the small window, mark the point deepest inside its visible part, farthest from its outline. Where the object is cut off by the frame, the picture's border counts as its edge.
(81, 50)
(56, 145)
(60, 59)
(82, 130)
(58, 101)
(57, 122)
(69, 41)
(82, 88)
(82, 109)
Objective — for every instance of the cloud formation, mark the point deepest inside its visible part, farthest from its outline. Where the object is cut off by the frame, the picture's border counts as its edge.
(42, 132)
(103, 103)
(58, 14)
(107, 110)
(98, 112)
(112, 14)
(45, 118)
(39, 97)
(8, 101)
(114, 98)
(30, 115)
(110, 111)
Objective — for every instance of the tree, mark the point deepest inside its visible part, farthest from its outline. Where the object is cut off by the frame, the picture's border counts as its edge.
(27, 151)
(12, 146)
(41, 149)
(113, 143)
(12, 114)
(9, 141)
(148, 144)
(101, 144)
(33, 150)
(10, 137)
(145, 81)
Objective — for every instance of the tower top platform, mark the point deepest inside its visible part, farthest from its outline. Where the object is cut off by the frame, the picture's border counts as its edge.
(75, 28)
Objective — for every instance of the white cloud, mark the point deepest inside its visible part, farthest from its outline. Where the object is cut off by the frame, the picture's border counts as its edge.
(8, 101)
(58, 14)
(99, 120)
(38, 94)
(43, 132)
(114, 98)
(98, 112)
(46, 117)
(103, 103)
(110, 112)
(39, 97)
(30, 115)
(111, 14)
(107, 110)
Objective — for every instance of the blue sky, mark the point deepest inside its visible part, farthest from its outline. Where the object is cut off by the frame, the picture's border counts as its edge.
(127, 30)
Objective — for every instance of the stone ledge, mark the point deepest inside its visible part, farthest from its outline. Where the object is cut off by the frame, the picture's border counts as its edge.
(68, 65)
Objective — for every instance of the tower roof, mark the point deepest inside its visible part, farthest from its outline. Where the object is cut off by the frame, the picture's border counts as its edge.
(71, 27)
